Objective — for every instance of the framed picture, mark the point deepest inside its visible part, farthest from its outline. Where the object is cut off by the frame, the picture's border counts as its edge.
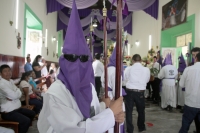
(174, 13)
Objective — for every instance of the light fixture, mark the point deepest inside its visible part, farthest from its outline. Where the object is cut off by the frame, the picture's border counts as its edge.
(53, 38)
(17, 13)
(88, 38)
(46, 35)
(150, 41)
(137, 43)
(94, 23)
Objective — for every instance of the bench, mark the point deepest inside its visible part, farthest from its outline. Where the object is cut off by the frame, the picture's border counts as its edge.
(12, 124)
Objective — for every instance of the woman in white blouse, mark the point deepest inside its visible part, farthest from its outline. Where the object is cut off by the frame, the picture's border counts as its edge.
(28, 96)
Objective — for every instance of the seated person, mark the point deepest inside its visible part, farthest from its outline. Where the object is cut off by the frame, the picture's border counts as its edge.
(10, 104)
(36, 87)
(6, 130)
(50, 78)
(28, 96)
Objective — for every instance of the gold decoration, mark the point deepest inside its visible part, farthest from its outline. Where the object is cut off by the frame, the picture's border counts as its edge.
(10, 22)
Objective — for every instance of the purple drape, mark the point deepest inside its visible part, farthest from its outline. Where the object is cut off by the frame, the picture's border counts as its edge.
(98, 50)
(53, 5)
(153, 9)
(136, 5)
(62, 22)
(81, 4)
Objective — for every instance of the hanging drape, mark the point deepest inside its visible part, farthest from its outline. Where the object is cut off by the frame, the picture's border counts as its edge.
(81, 4)
(136, 5)
(87, 20)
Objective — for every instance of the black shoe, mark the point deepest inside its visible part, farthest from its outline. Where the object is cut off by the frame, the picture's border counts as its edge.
(170, 109)
(194, 132)
(155, 102)
(142, 130)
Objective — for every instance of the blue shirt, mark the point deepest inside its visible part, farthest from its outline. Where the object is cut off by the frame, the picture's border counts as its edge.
(33, 83)
(28, 67)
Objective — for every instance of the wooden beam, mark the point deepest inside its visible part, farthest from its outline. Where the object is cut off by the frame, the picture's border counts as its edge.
(118, 56)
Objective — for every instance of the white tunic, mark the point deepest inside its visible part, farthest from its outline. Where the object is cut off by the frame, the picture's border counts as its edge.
(6, 130)
(61, 114)
(168, 74)
(111, 84)
(181, 95)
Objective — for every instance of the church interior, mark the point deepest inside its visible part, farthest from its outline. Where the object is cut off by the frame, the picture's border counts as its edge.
(152, 29)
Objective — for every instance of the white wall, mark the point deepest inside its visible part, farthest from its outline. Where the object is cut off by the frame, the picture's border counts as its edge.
(144, 25)
(8, 41)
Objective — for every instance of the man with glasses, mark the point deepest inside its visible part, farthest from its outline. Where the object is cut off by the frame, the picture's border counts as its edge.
(71, 104)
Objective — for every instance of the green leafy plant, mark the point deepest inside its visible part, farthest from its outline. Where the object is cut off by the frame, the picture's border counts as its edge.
(154, 71)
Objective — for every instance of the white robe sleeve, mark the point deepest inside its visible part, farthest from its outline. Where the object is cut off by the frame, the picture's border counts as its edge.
(64, 119)
(9, 92)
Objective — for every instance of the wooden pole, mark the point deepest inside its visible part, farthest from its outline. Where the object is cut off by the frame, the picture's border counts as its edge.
(105, 52)
(118, 56)
(91, 30)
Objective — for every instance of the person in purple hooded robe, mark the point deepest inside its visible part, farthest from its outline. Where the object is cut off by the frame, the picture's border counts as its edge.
(168, 74)
(181, 94)
(71, 104)
(111, 84)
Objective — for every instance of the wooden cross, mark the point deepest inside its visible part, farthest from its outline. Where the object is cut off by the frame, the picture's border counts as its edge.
(18, 41)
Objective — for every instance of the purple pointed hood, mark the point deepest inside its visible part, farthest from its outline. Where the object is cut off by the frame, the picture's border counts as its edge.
(75, 75)
(182, 64)
(168, 59)
(160, 60)
(112, 61)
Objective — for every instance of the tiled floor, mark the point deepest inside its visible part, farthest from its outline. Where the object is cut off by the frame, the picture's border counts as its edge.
(163, 121)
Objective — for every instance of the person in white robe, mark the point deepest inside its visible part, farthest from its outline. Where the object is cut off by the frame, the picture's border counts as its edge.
(168, 74)
(44, 71)
(111, 85)
(71, 104)
(181, 94)
(6, 130)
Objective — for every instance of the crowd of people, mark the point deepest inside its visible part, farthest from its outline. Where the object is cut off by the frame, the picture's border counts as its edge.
(22, 102)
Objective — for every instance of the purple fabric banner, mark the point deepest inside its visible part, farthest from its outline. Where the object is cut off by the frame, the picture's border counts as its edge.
(53, 5)
(136, 5)
(153, 9)
(81, 4)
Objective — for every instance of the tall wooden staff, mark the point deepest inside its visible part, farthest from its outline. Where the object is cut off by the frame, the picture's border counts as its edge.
(118, 56)
(91, 30)
(105, 50)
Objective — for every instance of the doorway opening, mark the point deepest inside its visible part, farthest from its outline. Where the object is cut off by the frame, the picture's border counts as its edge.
(33, 34)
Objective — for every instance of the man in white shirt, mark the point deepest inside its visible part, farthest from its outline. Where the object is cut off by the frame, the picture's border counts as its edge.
(156, 82)
(98, 68)
(190, 81)
(137, 78)
(10, 104)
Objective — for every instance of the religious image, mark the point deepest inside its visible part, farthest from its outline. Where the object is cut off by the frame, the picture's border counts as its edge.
(174, 13)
